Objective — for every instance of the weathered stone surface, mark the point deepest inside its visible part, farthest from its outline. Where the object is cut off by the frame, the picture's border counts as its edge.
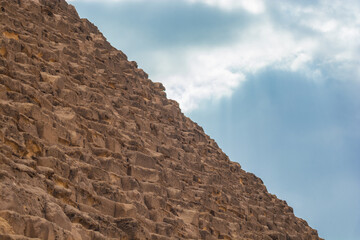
(90, 148)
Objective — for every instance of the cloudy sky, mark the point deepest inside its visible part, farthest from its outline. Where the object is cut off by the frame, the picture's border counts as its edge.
(276, 84)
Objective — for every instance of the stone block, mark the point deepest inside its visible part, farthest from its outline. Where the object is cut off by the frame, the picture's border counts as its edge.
(145, 174)
(143, 160)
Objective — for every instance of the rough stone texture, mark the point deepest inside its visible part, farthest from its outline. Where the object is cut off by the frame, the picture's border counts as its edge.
(91, 149)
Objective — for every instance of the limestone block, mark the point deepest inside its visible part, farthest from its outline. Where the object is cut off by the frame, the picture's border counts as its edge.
(154, 202)
(129, 183)
(3, 92)
(112, 144)
(55, 214)
(48, 133)
(5, 228)
(142, 160)
(69, 96)
(189, 216)
(124, 210)
(145, 174)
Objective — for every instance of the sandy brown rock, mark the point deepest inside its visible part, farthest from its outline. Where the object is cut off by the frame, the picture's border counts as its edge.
(90, 148)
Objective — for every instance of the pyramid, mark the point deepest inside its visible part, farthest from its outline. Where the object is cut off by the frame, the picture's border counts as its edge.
(92, 149)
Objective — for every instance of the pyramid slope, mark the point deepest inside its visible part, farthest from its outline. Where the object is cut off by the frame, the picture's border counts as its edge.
(90, 148)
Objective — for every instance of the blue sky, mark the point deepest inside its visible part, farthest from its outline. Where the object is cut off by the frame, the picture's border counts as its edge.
(276, 85)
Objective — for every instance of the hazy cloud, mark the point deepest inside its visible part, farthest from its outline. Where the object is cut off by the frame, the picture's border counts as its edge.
(212, 73)
(203, 49)
(254, 6)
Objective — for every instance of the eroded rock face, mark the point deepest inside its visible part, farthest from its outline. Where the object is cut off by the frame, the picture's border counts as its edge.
(90, 148)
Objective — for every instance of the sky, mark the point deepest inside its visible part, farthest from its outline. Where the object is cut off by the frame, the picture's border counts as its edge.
(276, 84)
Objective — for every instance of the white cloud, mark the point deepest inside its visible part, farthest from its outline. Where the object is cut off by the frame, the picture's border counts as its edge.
(204, 78)
(330, 49)
(253, 6)
(300, 61)
(213, 73)
(317, 39)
